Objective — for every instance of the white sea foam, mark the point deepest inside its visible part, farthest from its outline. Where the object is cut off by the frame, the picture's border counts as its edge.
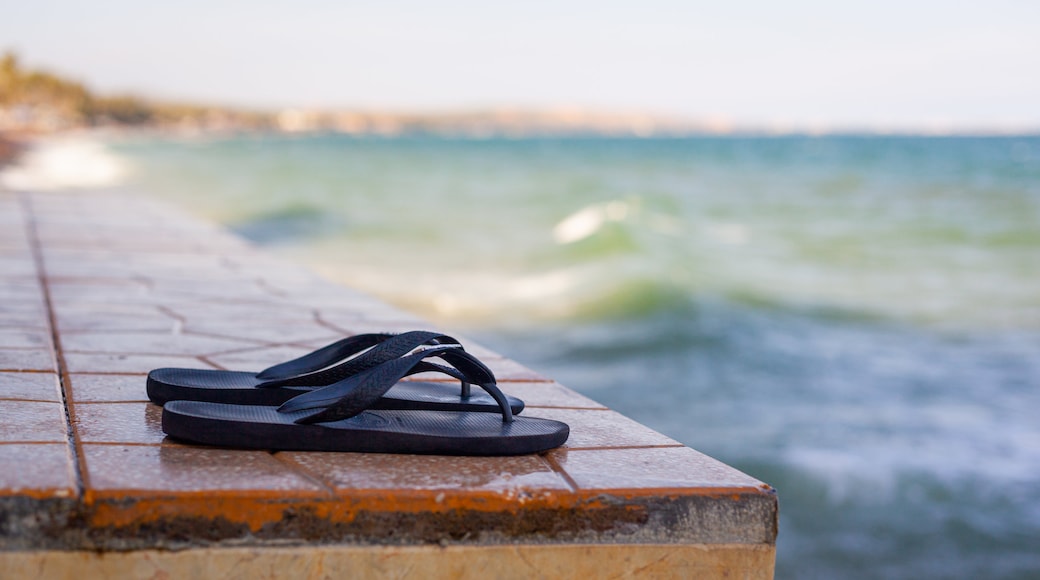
(950, 444)
(729, 233)
(589, 220)
(65, 163)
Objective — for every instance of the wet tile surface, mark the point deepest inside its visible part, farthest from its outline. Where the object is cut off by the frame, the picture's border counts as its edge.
(603, 428)
(125, 363)
(41, 469)
(156, 343)
(348, 472)
(119, 423)
(23, 313)
(115, 318)
(256, 359)
(30, 386)
(27, 359)
(32, 421)
(179, 469)
(303, 333)
(542, 394)
(648, 469)
(108, 388)
(135, 286)
(19, 338)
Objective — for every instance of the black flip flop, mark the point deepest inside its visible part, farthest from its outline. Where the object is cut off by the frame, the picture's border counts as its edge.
(327, 365)
(339, 418)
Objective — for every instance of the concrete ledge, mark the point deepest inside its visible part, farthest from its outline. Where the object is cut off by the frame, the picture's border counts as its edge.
(97, 289)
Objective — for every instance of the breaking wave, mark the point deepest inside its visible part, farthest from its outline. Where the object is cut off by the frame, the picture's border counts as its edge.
(66, 163)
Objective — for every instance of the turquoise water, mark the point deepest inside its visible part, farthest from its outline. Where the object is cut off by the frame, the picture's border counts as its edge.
(855, 320)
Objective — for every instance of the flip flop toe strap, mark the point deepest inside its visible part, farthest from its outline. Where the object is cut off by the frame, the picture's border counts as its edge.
(356, 393)
(426, 366)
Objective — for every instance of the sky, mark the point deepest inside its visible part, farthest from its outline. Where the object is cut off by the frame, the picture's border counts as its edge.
(882, 64)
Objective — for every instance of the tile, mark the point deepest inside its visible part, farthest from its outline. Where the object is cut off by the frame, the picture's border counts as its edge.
(215, 293)
(410, 473)
(12, 241)
(105, 294)
(393, 319)
(114, 317)
(119, 238)
(23, 313)
(388, 320)
(119, 423)
(100, 263)
(648, 469)
(271, 333)
(27, 359)
(21, 289)
(108, 388)
(149, 343)
(24, 338)
(30, 386)
(126, 363)
(17, 266)
(270, 329)
(32, 421)
(548, 395)
(602, 428)
(510, 370)
(259, 358)
(156, 324)
(164, 469)
(37, 469)
(224, 299)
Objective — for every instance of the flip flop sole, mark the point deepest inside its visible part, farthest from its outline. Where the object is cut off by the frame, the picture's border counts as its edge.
(240, 388)
(384, 431)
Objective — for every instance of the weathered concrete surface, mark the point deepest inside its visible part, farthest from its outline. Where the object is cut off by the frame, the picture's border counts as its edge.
(455, 562)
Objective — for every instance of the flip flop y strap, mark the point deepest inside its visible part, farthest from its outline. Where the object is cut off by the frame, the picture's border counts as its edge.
(323, 357)
(380, 351)
(354, 394)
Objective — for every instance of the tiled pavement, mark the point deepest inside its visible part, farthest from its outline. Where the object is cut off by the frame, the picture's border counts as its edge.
(96, 289)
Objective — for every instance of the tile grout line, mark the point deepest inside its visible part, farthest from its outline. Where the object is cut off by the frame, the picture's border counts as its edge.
(30, 442)
(303, 472)
(559, 470)
(74, 444)
(24, 400)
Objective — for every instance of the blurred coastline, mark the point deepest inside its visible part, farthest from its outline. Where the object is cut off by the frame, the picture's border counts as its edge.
(37, 102)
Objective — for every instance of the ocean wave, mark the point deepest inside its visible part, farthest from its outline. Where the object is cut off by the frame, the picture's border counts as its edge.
(606, 219)
(590, 220)
(293, 223)
(66, 163)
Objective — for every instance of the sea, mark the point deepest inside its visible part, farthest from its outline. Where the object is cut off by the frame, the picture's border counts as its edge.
(852, 319)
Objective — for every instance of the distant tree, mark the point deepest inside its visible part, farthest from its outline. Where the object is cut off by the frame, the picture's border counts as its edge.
(122, 110)
(71, 101)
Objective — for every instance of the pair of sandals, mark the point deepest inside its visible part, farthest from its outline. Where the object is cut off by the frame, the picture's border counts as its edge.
(350, 396)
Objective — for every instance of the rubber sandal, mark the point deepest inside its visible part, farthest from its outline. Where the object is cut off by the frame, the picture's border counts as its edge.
(327, 365)
(339, 417)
